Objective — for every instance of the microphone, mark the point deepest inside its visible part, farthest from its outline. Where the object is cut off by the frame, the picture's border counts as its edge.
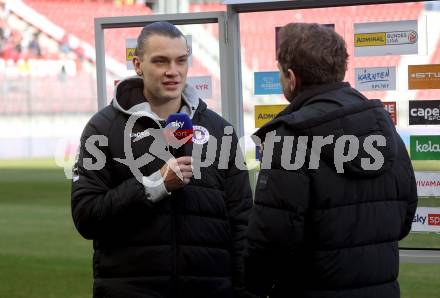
(178, 132)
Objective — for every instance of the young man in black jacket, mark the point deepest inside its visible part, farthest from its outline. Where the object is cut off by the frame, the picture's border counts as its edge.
(336, 191)
(157, 229)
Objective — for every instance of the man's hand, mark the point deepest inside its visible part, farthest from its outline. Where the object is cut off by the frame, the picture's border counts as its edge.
(177, 173)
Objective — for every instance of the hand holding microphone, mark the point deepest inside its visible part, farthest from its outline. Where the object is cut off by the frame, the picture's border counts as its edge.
(177, 172)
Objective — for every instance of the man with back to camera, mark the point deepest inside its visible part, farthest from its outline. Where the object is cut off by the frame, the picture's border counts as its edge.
(159, 232)
(336, 191)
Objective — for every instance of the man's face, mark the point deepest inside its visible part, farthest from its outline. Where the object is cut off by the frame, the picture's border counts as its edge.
(164, 66)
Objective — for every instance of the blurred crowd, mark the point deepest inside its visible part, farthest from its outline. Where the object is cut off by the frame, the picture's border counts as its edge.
(15, 44)
(20, 41)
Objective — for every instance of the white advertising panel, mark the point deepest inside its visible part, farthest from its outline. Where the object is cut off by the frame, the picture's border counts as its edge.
(428, 184)
(426, 220)
(375, 78)
(386, 38)
(203, 85)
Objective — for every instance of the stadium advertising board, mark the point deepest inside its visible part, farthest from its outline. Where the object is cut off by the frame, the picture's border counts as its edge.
(425, 147)
(203, 85)
(424, 76)
(130, 47)
(375, 78)
(267, 82)
(390, 106)
(386, 38)
(428, 184)
(426, 220)
(265, 113)
(424, 112)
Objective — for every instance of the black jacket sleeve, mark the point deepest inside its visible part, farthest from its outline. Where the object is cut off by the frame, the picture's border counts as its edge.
(276, 224)
(96, 204)
(412, 197)
(412, 207)
(238, 203)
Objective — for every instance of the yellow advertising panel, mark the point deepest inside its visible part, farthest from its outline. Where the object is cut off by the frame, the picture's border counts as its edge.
(370, 39)
(130, 47)
(265, 113)
(129, 53)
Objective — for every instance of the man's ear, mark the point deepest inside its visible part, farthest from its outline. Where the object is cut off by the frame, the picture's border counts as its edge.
(292, 79)
(137, 65)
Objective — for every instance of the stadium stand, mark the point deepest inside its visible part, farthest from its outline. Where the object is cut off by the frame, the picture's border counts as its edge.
(77, 18)
(68, 14)
(40, 74)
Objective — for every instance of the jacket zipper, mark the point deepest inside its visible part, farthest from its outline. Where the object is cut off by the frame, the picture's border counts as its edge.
(174, 284)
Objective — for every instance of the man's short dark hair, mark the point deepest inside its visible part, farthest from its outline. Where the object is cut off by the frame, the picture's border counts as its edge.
(157, 28)
(316, 53)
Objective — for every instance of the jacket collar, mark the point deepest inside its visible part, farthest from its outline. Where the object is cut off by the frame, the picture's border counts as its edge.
(310, 92)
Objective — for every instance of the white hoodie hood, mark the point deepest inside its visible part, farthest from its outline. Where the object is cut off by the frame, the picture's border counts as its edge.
(128, 98)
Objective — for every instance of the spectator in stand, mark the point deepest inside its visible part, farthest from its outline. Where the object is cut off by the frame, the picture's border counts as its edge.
(64, 44)
(11, 48)
(34, 45)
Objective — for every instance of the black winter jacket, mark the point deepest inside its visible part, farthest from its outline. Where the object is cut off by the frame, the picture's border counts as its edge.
(314, 232)
(189, 244)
